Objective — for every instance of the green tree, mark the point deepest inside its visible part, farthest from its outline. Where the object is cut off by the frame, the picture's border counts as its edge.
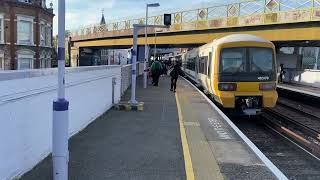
(67, 34)
(54, 62)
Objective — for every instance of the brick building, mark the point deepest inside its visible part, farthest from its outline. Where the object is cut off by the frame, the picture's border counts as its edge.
(25, 34)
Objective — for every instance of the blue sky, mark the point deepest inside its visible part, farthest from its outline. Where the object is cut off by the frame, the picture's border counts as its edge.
(81, 13)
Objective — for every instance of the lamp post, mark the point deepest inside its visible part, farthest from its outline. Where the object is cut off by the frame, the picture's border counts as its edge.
(146, 45)
(60, 152)
(155, 44)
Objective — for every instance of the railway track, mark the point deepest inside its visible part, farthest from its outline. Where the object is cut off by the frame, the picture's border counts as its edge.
(296, 122)
(290, 158)
(295, 131)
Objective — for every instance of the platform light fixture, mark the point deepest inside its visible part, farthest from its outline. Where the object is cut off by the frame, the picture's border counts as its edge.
(153, 5)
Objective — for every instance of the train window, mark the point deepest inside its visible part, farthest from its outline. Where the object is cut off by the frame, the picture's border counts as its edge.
(191, 64)
(209, 65)
(233, 60)
(203, 61)
(261, 59)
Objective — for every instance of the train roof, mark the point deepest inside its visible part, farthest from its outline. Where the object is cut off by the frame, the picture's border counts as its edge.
(238, 38)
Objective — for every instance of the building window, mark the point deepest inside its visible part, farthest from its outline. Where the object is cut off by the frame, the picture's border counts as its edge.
(25, 60)
(45, 34)
(43, 3)
(1, 60)
(42, 63)
(42, 34)
(48, 36)
(25, 30)
(43, 60)
(1, 29)
(48, 60)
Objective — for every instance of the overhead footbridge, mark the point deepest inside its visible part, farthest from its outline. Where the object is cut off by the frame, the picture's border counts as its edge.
(287, 22)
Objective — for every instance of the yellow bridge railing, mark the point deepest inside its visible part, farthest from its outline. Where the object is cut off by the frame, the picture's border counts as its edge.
(250, 13)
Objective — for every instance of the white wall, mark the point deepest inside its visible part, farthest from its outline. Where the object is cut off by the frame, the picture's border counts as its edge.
(26, 110)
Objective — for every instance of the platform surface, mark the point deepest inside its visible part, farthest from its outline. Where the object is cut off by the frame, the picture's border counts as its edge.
(178, 136)
(312, 91)
(216, 150)
(127, 145)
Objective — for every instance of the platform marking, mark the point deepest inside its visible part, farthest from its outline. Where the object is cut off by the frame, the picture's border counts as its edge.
(196, 124)
(185, 146)
(219, 129)
(254, 148)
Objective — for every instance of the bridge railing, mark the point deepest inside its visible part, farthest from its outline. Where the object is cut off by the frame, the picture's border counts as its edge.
(249, 13)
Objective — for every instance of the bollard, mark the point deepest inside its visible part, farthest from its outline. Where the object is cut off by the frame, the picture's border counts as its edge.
(60, 153)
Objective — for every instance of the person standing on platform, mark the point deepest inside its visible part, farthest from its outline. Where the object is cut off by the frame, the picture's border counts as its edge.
(156, 70)
(164, 68)
(175, 72)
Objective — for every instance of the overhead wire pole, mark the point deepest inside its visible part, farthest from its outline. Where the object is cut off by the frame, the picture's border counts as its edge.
(155, 44)
(146, 49)
(60, 152)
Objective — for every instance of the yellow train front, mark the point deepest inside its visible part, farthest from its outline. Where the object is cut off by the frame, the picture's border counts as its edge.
(239, 71)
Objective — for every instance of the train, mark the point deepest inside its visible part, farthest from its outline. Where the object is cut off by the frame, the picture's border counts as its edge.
(238, 71)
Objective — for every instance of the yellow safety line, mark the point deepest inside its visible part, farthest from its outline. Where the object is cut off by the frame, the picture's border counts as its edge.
(185, 146)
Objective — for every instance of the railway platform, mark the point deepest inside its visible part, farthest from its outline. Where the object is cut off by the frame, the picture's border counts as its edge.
(301, 89)
(177, 136)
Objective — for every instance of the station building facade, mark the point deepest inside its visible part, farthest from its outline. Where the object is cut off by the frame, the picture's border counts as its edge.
(25, 34)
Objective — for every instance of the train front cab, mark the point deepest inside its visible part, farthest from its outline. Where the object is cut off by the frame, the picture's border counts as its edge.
(243, 92)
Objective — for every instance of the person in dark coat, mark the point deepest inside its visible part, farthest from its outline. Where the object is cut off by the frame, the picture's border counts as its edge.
(156, 70)
(175, 72)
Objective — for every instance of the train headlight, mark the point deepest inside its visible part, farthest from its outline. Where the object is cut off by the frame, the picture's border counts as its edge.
(227, 86)
(267, 86)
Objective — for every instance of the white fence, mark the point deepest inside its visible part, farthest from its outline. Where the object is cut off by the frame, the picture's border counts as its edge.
(26, 110)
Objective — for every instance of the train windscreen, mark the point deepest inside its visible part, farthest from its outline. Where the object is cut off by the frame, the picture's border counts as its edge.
(247, 64)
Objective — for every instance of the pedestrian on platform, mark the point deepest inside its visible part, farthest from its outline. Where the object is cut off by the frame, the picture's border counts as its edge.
(156, 70)
(164, 68)
(174, 73)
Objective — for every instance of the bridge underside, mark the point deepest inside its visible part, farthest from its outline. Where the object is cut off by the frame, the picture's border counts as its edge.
(297, 34)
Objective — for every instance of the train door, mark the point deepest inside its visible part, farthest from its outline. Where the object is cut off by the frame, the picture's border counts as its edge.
(196, 59)
(209, 73)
